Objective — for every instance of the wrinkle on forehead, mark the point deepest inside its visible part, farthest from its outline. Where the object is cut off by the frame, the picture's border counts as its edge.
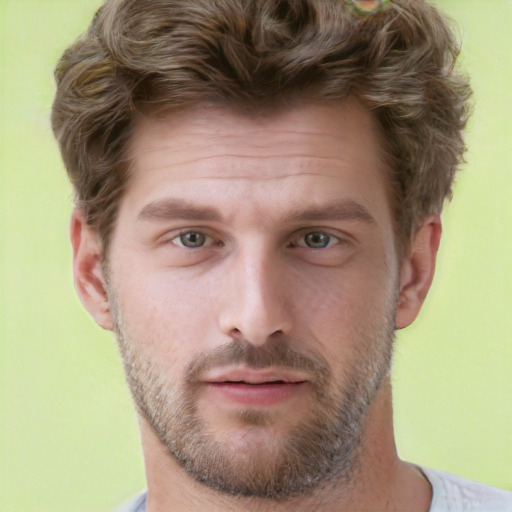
(181, 150)
(268, 178)
(220, 128)
(229, 148)
(239, 167)
(220, 144)
(198, 146)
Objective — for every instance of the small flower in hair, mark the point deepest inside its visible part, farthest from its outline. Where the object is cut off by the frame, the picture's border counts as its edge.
(366, 7)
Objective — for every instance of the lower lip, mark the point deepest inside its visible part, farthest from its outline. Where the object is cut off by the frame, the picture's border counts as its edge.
(256, 394)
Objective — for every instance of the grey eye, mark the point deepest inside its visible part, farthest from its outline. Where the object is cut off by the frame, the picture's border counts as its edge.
(317, 240)
(192, 239)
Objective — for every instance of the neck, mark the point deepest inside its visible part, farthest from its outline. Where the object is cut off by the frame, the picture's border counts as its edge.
(381, 481)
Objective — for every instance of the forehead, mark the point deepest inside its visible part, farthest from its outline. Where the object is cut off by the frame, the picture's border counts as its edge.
(302, 132)
(308, 153)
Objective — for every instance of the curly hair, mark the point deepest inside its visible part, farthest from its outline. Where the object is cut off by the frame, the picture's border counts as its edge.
(159, 55)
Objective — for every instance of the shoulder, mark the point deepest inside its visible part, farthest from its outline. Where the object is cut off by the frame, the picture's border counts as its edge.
(453, 493)
(137, 504)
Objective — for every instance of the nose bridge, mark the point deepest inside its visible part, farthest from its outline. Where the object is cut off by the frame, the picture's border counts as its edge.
(257, 306)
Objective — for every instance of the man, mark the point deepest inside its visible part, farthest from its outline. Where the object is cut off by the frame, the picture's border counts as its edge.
(258, 194)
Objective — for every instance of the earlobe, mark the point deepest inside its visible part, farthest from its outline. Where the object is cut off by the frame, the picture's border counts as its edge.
(417, 271)
(88, 272)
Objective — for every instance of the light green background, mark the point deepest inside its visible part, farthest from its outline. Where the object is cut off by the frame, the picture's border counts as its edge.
(68, 435)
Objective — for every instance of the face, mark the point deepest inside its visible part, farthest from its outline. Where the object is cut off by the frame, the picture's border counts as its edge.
(253, 282)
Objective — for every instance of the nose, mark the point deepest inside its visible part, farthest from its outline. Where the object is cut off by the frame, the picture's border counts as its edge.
(256, 305)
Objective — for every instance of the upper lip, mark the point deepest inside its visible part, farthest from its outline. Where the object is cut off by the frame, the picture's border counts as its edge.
(253, 376)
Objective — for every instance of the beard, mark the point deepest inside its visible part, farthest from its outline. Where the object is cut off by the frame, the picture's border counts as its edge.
(320, 449)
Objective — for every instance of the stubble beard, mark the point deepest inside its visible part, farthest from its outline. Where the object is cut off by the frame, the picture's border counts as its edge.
(321, 450)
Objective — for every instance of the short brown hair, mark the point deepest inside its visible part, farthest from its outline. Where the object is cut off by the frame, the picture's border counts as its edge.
(159, 55)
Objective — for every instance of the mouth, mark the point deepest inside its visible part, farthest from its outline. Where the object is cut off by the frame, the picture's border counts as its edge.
(255, 387)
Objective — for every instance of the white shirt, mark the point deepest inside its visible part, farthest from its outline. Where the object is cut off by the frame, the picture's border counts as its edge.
(450, 494)
(455, 494)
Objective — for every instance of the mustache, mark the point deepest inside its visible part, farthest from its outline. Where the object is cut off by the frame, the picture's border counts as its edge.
(272, 354)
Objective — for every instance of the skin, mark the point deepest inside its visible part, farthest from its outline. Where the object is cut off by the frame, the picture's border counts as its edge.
(262, 184)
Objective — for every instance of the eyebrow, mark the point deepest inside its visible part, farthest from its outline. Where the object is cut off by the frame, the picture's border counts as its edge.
(172, 209)
(343, 210)
(169, 209)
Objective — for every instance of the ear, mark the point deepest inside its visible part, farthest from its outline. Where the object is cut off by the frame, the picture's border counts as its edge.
(417, 270)
(88, 272)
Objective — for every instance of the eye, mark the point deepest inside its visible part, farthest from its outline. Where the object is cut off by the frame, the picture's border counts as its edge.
(319, 240)
(191, 239)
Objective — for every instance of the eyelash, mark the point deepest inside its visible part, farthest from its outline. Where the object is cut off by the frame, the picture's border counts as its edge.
(333, 240)
(208, 240)
(207, 237)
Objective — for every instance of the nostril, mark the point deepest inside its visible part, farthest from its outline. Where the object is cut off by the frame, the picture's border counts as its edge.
(235, 333)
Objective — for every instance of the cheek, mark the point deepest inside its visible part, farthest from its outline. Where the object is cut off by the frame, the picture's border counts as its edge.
(340, 307)
(347, 291)
(166, 316)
